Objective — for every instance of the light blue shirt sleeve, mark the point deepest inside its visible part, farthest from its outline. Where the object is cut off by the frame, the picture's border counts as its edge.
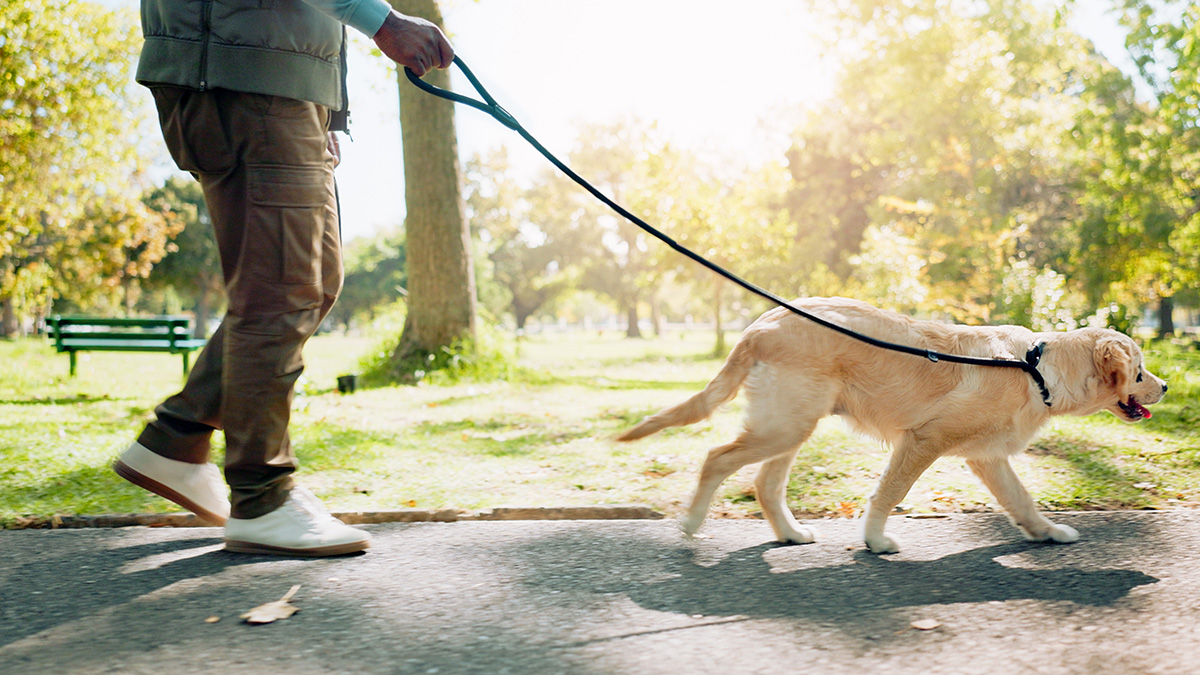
(365, 16)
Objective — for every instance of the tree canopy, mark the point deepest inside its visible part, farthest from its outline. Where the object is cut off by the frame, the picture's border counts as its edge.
(72, 224)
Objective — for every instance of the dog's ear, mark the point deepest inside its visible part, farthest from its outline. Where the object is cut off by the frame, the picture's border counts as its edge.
(1113, 361)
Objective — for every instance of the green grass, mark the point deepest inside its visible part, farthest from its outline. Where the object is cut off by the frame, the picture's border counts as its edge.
(544, 438)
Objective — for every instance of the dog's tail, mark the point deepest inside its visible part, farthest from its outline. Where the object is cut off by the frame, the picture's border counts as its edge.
(719, 391)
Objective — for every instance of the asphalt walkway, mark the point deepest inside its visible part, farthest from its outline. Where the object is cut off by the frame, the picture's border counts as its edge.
(582, 597)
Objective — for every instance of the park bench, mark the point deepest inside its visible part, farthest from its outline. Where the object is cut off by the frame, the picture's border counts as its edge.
(172, 334)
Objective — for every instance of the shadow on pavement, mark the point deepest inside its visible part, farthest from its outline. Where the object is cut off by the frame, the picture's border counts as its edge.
(47, 591)
(871, 583)
(851, 591)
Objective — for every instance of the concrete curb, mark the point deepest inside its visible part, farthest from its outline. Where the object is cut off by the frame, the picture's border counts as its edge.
(613, 512)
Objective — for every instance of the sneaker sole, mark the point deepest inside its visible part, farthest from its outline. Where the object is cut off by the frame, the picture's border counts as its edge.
(146, 483)
(317, 552)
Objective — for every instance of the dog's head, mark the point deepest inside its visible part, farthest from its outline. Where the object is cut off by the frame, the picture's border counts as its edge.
(1126, 387)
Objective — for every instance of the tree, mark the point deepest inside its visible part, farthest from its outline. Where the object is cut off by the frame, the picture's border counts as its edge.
(951, 125)
(441, 281)
(192, 265)
(626, 159)
(1144, 200)
(374, 276)
(71, 221)
(733, 220)
(528, 235)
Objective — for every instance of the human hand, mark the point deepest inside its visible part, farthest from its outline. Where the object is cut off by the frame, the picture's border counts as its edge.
(414, 43)
(331, 144)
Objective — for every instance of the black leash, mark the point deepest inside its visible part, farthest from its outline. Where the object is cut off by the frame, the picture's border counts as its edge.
(489, 106)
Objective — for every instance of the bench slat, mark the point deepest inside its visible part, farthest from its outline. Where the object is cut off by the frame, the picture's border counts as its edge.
(109, 321)
(122, 335)
(79, 344)
(171, 334)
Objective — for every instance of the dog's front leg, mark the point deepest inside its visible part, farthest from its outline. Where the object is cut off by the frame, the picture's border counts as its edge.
(907, 463)
(997, 474)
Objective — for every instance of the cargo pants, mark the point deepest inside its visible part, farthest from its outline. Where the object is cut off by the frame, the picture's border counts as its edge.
(267, 178)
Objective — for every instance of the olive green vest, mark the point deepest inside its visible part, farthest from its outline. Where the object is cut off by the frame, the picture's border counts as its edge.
(278, 47)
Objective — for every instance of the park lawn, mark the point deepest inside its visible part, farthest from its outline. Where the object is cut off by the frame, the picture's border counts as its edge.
(545, 438)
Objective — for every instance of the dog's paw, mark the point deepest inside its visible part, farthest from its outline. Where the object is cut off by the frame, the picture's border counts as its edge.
(1063, 534)
(689, 526)
(798, 535)
(883, 544)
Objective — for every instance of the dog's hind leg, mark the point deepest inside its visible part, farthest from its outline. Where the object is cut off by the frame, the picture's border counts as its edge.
(908, 461)
(997, 474)
(781, 413)
(771, 487)
(712, 474)
(749, 448)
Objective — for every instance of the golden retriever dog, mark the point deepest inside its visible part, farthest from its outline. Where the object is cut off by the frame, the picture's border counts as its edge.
(796, 372)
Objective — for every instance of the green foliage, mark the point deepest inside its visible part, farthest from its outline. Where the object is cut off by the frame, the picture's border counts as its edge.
(490, 356)
(1179, 365)
(71, 221)
(530, 239)
(375, 277)
(1139, 234)
(948, 133)
(192, 265)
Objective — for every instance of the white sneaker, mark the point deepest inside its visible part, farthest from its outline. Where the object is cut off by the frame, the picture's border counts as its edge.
(196, 487)
(300, 527)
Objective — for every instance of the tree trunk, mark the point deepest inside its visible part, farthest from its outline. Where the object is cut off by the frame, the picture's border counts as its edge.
(521, 312)
(633, 330)
(718, 298)
(1166, 317)
(441, 281)
(203, 312)
(656, 317)
(8, 318)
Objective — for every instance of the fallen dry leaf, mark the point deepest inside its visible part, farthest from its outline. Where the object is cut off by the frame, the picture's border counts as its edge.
(925, 624)
(273, 611)
(212, 619)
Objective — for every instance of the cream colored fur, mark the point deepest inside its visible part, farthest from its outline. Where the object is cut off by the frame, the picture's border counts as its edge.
(795, 372)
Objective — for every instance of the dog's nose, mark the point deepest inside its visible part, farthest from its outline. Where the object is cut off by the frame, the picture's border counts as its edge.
(1164, 387)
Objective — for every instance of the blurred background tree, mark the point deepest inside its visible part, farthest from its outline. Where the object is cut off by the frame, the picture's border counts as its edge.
(979, 162)
(192, 267)
(72, 224)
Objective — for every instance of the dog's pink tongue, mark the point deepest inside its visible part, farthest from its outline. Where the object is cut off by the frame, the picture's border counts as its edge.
(1142, 410)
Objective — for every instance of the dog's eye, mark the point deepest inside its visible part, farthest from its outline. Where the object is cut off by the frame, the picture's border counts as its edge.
(1139, 377)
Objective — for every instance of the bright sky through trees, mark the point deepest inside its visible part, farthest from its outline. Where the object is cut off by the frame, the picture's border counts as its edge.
(712, 78)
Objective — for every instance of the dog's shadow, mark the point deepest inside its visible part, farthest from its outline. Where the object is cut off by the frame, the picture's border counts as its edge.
(744, 583)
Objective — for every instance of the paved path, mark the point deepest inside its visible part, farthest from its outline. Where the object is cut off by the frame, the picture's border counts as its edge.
(614, 597)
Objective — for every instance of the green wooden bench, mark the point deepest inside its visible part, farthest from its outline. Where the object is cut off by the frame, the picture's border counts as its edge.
(172, 334)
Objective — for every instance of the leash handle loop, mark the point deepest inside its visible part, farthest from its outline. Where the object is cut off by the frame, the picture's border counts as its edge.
(487, 105)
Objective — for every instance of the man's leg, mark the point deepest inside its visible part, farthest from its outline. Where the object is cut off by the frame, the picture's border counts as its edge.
(170, 456)
(270, 215)
(267, 178)
(278, 220)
